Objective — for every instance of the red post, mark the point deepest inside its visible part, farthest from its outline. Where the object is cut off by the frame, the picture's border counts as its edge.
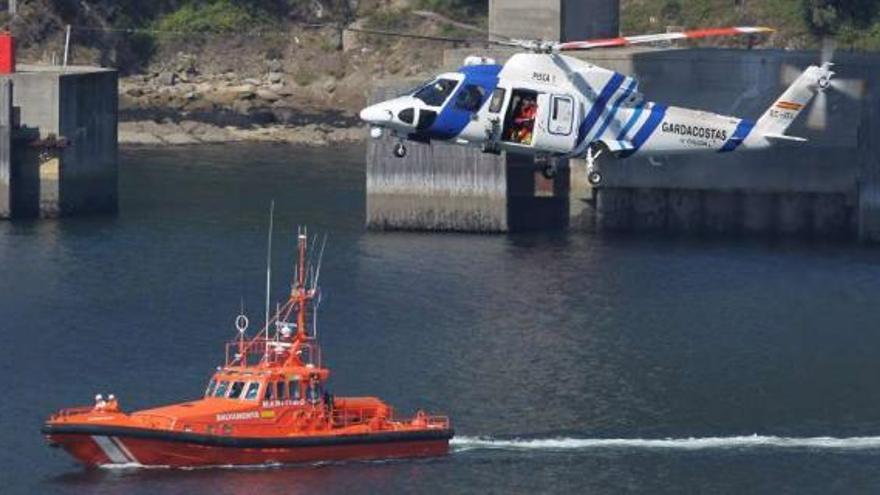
(7, 53)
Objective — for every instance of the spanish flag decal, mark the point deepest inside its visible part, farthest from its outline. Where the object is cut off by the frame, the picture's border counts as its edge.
(787, 105)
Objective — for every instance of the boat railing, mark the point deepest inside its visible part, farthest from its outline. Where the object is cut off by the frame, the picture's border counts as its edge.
(71, 411)
(271, 351)
(350, 417)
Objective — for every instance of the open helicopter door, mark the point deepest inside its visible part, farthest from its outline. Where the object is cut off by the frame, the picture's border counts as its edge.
(555, 128)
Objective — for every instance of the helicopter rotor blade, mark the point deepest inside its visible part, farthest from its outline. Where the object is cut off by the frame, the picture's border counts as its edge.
(655, 38)
(818, 117)
(853, 88)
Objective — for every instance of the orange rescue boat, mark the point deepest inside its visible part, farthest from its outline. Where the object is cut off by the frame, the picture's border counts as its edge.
(267, 404)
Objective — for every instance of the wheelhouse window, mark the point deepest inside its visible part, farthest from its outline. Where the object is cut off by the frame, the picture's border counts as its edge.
(222, 387)
(282, 393)
(313, 392)
(235, 390)
(293, 387)
(270, 392)
(470, 98)
(251, 392)
(211, 386)
(436, 93)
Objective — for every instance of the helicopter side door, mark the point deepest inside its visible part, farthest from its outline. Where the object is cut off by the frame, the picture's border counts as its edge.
(555, 128)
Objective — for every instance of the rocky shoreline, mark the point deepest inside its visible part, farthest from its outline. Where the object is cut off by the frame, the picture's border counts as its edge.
(186, 132)
(183, 107)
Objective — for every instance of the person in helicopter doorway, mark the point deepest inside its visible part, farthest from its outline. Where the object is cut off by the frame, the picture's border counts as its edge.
(524, 121)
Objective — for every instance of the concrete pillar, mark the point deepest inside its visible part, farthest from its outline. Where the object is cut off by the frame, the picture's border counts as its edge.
(685, 213)
(869, 211)
(722, 212)
(758, 210)
(794, 213)
(649, 210)
(831, 218)
(5, 147)
(613, 209)
(555, 20)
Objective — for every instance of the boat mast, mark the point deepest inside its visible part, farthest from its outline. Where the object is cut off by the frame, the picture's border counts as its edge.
(301, 286)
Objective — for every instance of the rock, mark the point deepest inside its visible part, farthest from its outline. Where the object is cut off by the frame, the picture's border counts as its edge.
(167, 78)
(284, 91)
(244, 92)
(330, 86)
(179, 138)
(252, 82)
(268, 95)
(276, 77)
(284, 114)
(134, 92)
(242, 106)
(200, 105)
(275, 65)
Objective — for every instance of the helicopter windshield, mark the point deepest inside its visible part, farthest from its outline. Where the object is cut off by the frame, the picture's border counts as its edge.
(435, 93)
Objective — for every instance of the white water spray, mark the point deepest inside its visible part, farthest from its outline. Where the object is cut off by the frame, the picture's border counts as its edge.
(462, 443)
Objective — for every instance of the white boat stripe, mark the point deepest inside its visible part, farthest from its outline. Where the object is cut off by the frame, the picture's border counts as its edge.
(124, 449)
(110, 450)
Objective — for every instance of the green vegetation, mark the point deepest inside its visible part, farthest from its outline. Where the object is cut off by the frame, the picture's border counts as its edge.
(214, 16)
(800, 23)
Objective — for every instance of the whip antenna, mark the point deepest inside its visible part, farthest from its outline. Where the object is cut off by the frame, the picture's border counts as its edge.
(269, 269)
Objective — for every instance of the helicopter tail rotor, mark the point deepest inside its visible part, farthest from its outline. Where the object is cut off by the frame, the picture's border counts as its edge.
(823, 82)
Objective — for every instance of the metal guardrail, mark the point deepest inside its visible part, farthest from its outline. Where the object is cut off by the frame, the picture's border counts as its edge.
(254, 351)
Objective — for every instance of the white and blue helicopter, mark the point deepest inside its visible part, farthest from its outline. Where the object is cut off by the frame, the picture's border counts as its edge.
(550, 105)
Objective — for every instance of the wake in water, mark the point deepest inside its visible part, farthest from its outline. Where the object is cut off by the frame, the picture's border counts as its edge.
(462, 444)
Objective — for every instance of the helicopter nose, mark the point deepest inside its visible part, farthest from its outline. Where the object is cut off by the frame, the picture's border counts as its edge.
(376, 114)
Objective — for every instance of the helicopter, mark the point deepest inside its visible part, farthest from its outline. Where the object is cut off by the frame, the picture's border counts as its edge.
(553, 106)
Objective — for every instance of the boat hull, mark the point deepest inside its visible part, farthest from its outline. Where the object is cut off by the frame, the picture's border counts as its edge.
(131, 446)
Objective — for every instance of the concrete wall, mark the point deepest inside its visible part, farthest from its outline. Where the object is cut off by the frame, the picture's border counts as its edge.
(78, 107)
(5, 146)
(88, 117)
(554, 20)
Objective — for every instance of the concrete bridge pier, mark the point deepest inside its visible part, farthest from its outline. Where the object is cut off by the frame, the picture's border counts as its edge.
(58, 146)
(758, 210)
(685, 213)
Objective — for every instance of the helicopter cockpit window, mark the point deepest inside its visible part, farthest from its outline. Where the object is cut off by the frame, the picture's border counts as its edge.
(497, 100)
(470, 98)
(407, 115)
(435, 94)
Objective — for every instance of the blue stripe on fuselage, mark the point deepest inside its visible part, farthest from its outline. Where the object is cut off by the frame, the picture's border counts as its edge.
(451, 120)
(632, 121)
(599, 107)
(743, 129)
(647, 130)
(613, 112)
